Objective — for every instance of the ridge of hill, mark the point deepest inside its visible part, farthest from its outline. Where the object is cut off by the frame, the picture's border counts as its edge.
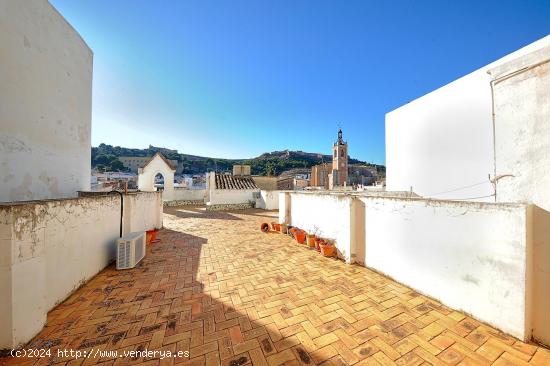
(270, 163)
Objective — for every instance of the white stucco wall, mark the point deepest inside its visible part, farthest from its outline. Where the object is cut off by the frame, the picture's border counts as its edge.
(231, 196)
(326, 215)
(521, 91)
(441, 144)
(269, 200)
(470, 256)
(50, 248)
(146, 177)
(184, 194)
(45, 104)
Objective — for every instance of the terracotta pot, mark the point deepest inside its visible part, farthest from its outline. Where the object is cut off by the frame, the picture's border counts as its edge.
(318, 242)
(275, 226)
(327, 250)
(292, 231)
(300, 236)
(150, 235)
(311, 240)
(264, 227)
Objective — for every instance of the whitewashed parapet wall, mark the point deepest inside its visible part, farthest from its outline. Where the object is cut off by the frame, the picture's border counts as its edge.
(477, 257)
(268, 200)
(521, 90)
(324, 214)
(186, 196)
(45, 104)
(470, 256)
(50, 248)
(232, 196)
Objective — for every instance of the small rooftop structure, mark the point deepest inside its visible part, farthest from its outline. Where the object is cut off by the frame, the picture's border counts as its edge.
(226, 181)
(241, 170)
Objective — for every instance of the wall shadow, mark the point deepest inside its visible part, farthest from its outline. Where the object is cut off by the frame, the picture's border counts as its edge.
(171, 301)
(198, 212)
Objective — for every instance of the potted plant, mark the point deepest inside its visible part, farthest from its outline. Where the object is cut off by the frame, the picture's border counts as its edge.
(327, 248)
(318, 242)
(310, 240)
(311, 237)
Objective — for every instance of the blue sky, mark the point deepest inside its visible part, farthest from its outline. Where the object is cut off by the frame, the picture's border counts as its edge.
(234, 79)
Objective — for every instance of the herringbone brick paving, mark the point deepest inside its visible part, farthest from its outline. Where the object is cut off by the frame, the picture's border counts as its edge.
(230, 295)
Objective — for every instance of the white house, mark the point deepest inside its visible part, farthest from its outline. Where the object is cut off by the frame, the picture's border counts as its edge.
(443, 145)
(226, 191)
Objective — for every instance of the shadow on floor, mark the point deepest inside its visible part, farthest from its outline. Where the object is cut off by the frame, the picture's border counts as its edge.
(199, 212)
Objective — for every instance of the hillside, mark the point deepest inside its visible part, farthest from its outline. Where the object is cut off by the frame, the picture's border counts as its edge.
(273, 163)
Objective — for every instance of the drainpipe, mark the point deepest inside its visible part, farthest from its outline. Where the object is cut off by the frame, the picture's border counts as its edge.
(121, 208)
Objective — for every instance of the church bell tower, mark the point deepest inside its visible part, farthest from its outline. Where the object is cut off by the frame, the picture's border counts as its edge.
(339, 162)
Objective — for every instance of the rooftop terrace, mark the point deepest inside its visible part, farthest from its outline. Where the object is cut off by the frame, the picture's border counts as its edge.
(214, 285)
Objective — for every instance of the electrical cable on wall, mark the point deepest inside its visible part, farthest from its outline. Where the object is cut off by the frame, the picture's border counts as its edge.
(457, 189)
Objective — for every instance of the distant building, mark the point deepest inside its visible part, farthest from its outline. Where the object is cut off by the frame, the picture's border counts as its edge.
(265, 183)
(361, 174)
(226, 191)
(300, 183)
(135, 162)
(285, 183)
(319, 175)
(339, 175)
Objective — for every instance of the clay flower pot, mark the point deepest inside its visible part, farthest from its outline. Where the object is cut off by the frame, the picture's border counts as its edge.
(150, 235)
(276, 226)
(292, 232)
(327, 250)
(300, 236)
(310, 240)
(318, 242)
(264, 227)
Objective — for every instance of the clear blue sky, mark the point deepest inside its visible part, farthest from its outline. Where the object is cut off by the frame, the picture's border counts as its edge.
(238, 78)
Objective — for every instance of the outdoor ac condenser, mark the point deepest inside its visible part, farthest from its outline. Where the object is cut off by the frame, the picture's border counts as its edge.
(130, 250)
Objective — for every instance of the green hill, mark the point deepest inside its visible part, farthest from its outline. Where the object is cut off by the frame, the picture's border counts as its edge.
(273, 163)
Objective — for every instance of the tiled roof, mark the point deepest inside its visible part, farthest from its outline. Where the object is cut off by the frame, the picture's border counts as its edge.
(226, 181)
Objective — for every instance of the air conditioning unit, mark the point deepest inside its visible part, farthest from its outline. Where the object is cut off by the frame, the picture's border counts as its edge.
(130, 250)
